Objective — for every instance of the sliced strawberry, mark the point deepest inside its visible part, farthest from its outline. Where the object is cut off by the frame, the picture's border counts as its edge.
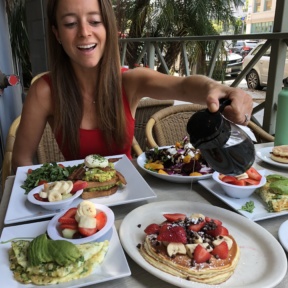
(220, 230)
(216, 221)
(61, 165)
(174, 217)
(221, 250)
(87, 231)
(78, 185)
(152, 229)
(101, 220)
(68, 226)
(173, 234)
(29, 171)
(228, 179)
(201, 255)
(239, 182)
(165, 227)
(41, 182)
(196, 227)
(251, 181)
(254, 174)
(39, 198)
(70, 213)
(67, 220)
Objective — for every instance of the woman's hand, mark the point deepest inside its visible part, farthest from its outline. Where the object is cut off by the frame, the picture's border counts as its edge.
(240, 109)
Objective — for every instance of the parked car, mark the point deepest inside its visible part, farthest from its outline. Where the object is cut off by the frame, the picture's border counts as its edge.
(232, 63)
(257, 77)
(243, 47)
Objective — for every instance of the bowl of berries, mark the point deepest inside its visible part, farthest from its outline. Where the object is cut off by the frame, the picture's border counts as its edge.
(241, 186)
(88, 222)
(56, 195)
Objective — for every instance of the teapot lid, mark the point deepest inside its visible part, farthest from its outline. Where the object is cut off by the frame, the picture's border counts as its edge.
(204, 126)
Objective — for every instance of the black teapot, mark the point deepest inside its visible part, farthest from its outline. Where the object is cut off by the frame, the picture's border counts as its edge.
(226, 147)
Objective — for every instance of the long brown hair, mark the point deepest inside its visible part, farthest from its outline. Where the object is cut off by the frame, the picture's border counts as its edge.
(67, 98)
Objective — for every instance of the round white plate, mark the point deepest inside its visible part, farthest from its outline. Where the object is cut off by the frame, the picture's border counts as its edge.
(283, 234)
(57, 205)
(264, 154)
(141, 161)
(262, 262)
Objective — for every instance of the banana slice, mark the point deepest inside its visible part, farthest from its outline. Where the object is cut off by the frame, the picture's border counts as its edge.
(43, 194)
(55, 186)
(85, 208)
(54, 196)
(63, 188)
(175, 248)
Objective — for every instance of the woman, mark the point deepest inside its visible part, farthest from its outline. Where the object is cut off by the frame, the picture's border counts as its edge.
(89, 103)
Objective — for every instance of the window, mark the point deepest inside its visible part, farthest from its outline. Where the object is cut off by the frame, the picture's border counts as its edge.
(257, 5)
(268, 5)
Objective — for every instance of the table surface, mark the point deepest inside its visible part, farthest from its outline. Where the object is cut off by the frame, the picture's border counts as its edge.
(165, 191)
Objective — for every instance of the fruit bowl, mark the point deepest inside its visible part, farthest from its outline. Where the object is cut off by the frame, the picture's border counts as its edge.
(55, 205)
(236, 191)
(54, 231)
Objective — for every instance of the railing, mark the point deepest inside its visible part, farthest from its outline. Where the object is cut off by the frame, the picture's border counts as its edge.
(277, 41)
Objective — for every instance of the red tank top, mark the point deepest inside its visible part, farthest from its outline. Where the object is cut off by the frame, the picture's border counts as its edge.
(91, 141)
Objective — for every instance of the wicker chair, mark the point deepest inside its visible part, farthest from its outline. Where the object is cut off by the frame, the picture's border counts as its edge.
(146, 108)
(260, 134)
(168, 125)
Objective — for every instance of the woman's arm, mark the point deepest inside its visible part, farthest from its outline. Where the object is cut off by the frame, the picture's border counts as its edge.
(143, 82)
(36, 110)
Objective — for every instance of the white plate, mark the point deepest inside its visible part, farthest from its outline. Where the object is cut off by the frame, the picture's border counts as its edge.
(283, 234)
(256, 244)
(264, 154)
(141, 161)
(51, 205)
(113, 267)
(20, 209)
(259, 213)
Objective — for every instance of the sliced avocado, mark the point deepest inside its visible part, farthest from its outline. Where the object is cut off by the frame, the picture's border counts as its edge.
(279, 187)
(63, 252)
(37, 250)
(275, 177)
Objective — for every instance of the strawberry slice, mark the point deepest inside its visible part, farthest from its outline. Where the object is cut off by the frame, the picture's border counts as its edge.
(39, 198)
(78, 185)
(173, 234)
(101, 220)
(251, 181)
(68, 217)
(220, 230)
(87, 231)
(228, 179)
(216, 221)
(68, 226)
(174, 217)
(221, 250)
(254, 174)
(196, 227)
(152, 229)
(201, 255)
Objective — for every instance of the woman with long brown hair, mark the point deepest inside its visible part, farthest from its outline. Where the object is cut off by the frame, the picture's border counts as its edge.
(88, 100)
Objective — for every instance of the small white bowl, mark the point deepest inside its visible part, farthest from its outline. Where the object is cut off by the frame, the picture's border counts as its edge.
(105, 233)
(236, 191)
(57, 205)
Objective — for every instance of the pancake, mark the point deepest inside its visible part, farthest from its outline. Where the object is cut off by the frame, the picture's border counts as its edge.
(214, 271)
(280, 154)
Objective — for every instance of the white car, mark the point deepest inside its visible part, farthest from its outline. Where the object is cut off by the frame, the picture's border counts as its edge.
(257, 77)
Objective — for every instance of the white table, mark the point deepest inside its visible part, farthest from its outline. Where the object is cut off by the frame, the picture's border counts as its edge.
(165, 191)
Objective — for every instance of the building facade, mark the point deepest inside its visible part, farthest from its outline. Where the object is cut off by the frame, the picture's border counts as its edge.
(260, 16)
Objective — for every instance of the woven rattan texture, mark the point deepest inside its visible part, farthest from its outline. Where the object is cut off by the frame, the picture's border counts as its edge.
(146, 108)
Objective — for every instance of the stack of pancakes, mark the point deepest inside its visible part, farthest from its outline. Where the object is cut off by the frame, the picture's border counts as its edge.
(280, 154)
(213, 271)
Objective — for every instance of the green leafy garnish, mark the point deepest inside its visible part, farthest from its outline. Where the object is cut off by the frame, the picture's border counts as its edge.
(49, 172)
(248, 207)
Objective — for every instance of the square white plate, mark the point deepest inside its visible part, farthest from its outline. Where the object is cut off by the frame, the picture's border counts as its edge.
(20, 209)
(259, 213)
(113, 267)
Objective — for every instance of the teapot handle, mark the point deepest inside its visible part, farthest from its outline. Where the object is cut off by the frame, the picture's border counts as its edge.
(223, 103)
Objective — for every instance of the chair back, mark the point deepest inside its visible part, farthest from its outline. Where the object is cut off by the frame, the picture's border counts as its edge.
(168, 125)
(260, 134)
(146, 108)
